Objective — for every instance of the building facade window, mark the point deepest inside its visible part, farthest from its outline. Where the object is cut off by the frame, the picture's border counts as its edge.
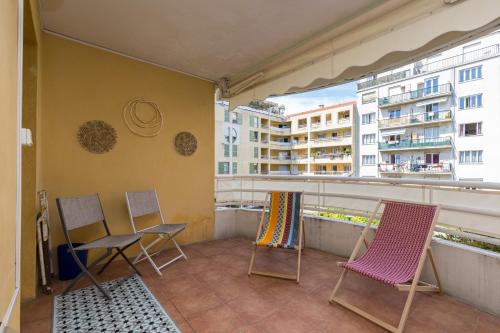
(235, 168)
(368, 160)
(253, 168)
(237, 118)
(254, 136)
(471, 157)
(394, 114)
(226, 150)
(432, 158)
(369, 97)
(469, 74)
(471, 129)
(235, 151)
(470, 102)
(369, 139)
(226, 116)
(256, 152)
(431, 86)
(254, 121)
(223, 168)
(368, 118)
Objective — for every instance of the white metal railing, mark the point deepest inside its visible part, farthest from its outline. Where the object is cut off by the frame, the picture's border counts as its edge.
(472, 207)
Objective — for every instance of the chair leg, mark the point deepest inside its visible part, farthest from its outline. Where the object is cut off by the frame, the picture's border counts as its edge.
(146, 255)
(85, 271)
(337, 286)
(406, 310)
(252, 259)
(298, 264)
(120, 251)
(179, 248)
(107, 263)
(434, 268)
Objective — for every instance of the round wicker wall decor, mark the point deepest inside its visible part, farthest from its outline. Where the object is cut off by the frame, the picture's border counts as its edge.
(97, 136)
(185, 143)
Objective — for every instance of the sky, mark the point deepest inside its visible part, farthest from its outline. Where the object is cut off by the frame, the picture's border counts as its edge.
(311, 100)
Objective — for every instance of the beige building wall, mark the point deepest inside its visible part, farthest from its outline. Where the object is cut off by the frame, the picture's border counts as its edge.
(318, 141)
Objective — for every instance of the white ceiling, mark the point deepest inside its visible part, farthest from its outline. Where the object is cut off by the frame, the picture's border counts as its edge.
(207, 38)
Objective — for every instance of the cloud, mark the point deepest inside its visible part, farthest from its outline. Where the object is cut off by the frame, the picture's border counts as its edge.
(310, 100)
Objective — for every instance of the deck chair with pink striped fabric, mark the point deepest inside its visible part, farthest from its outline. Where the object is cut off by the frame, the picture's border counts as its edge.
(396, 256)
(281, 227)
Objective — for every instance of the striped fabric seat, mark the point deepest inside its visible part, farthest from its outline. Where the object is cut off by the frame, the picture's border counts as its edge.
(281, 222)
(393, 256)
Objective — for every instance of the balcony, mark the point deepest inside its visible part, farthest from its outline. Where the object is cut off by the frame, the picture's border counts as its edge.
(416, 119)
(331, 173)
(410, 144)
(331, 141)
(415, 95)
(280, 130)
(280, 144)
(331, 158)
(343, 122)
(442, 168)
(384, 79)
(466, 273)
(281, 159)
(458, 60)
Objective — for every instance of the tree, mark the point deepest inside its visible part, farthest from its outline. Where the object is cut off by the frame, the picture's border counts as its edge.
(269, 106)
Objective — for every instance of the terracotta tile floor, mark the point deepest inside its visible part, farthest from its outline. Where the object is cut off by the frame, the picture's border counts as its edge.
(212, 293)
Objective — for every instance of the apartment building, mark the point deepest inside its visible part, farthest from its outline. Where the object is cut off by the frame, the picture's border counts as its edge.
(322, 140)
(433, 118)
(251, 141)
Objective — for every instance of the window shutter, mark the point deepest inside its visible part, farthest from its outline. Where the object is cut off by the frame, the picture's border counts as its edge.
(480, 72)
(462, 130)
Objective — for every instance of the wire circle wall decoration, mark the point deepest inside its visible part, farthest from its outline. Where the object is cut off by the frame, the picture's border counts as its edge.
(186, 143)
(140, 125)
(97, 136)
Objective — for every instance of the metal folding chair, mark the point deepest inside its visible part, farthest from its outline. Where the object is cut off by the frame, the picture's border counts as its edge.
(82, 211)
(146, 203)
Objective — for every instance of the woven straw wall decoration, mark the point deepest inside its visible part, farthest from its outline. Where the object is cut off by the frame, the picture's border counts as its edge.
(185, 143)
(140, 123)
(96, 136)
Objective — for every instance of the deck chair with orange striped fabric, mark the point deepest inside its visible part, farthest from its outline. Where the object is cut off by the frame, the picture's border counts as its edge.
(281, 226)
(396, 256)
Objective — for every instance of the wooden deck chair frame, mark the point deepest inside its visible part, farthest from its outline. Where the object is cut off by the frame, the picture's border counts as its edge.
(299, 248)
(85, 269)
(144, 254)
(416, 284)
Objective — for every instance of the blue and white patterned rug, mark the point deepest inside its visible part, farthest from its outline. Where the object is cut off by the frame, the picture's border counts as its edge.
(133, 308)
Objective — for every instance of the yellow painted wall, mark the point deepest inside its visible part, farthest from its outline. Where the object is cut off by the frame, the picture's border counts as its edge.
(29, 157)
(8, 155)
(81, 83)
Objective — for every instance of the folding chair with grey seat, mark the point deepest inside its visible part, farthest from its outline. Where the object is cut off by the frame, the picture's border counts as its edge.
(78, 212)
(146, 203)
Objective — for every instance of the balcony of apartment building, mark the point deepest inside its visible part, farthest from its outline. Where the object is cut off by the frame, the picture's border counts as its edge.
(280, 159)
(280, 128)
(331, 139)
(416, 95)
(211, 290)
(299, 142)
(321, 157)
(415, 119)
(420, 68)
(344, 119)
(412, 168)
(416, 143)
(300, 157)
